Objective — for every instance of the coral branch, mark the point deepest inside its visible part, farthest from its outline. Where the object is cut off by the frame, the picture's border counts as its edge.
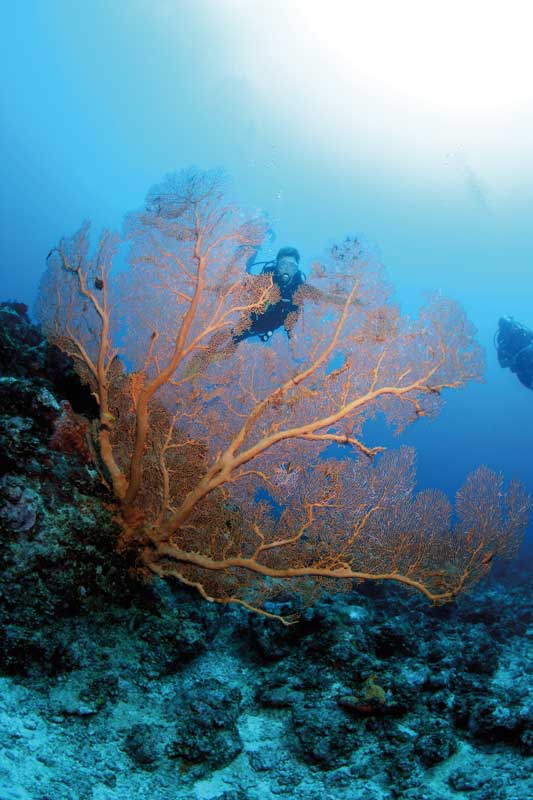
(215, 444)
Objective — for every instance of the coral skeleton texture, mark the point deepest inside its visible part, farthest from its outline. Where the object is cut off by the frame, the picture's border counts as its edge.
(220, 454)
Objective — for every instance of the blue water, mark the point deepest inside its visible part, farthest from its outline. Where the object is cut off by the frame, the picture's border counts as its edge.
(100, 100)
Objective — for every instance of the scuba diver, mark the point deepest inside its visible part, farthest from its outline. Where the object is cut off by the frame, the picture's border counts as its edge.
(288, 278)
(514, 345)
(293, 289)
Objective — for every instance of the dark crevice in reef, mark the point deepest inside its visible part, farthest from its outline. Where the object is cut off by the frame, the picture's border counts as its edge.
(363, 699)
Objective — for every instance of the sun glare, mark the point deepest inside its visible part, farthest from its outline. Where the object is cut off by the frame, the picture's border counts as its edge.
(466, 57)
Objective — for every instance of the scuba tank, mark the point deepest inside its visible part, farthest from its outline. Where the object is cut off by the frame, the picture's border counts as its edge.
(251, 262)
(509, 339)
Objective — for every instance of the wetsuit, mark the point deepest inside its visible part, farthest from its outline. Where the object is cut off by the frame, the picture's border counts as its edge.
(276, 314)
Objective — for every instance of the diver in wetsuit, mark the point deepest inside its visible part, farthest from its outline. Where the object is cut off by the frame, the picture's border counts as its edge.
(282, 313)
(288, 278)
(514, 345)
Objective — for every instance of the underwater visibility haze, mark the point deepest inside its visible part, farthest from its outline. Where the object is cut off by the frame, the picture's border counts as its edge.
(266, 427)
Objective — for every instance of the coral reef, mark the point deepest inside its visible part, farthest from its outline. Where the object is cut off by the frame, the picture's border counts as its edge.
(114, 689)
